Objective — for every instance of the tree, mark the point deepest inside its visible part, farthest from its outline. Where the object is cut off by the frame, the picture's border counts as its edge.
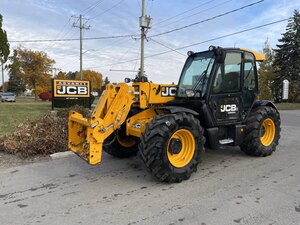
(93, 76)
(106, 81)
(36, 68)
(4, 49)
(266, 73)
(287, 58)
(62, 75)
(16, 82)
(72, 75)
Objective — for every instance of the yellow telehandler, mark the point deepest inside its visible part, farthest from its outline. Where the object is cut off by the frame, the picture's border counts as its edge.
(216, 100)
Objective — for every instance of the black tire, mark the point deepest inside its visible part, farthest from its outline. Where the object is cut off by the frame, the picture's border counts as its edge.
(113, 146)
(153, 148)
(252, 144)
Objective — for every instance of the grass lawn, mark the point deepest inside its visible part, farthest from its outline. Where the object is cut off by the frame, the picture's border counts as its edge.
(14, 113)
(287, 106)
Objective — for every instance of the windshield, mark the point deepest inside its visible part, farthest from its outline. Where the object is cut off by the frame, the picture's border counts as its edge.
(7, 94)
(195, 74)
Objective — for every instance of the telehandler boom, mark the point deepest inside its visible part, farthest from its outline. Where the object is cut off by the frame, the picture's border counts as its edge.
(216, 100)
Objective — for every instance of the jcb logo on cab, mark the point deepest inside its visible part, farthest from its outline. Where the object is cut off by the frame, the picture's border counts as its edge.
(229, 108)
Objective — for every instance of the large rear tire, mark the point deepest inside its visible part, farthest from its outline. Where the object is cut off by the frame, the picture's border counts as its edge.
(262, 132)
(171, 146)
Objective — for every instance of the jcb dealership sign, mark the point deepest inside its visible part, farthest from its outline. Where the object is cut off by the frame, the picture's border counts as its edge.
(71, 89)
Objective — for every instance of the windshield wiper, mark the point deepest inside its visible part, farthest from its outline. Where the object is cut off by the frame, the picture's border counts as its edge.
(200, 78)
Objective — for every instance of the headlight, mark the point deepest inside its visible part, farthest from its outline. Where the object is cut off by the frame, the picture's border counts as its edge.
(190, 93)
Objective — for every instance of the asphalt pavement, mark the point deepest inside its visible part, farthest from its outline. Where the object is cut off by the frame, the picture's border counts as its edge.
(229, 188)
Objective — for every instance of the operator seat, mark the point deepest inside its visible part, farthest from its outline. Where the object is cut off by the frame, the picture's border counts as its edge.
(231, 82)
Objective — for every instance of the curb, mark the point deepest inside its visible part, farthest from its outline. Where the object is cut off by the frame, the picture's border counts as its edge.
(61, 155)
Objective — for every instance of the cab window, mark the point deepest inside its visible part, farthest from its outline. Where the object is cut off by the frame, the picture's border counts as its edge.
(228, 77)
(249, 76)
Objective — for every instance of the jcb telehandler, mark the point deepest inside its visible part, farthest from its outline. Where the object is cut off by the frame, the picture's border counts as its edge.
(216, 100)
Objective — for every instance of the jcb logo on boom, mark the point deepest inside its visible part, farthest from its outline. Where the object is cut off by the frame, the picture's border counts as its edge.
(168, 91)
(229, 108)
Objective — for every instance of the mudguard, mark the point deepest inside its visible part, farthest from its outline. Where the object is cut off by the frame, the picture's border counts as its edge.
(264, 103)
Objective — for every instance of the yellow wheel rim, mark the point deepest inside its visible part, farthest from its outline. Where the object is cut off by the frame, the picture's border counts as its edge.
(267, 132)
(126, 142)
(187, 150)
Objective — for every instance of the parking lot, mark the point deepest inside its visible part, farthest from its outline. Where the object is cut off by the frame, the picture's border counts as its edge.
(229, 188)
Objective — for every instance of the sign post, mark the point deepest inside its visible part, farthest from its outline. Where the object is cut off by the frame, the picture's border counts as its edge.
(71, 92)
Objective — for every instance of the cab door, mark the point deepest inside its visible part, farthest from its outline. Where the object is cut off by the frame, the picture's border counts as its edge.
(225, 100)
(249, 84)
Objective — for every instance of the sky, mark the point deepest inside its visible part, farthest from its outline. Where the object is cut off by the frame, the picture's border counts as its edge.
(53, 19)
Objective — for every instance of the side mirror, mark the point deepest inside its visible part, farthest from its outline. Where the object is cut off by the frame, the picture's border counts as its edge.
(127, 80)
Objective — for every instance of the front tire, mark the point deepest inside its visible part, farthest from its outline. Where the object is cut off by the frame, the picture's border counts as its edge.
(171, 146)
(262, 132)
(121, 146)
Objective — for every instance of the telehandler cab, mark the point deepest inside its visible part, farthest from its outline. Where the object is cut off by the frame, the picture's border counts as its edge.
(216, 100)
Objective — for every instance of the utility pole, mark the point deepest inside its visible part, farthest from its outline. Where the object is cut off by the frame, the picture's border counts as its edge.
(81, 27)
(145, 24)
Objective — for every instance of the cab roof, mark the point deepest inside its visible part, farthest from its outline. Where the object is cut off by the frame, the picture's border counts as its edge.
(258, 56)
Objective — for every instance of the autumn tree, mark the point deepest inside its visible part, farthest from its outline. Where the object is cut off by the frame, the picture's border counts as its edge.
(4, 49)
(287, 58)
(266, 73)
(95, 77)
(62, 76)
(36, 68)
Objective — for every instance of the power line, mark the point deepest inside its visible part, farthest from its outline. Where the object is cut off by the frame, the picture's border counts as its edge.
(59, 34)
(105, 11)
(65, 25)
(93, 7)
(198, 43)
(184, 12)
(139, 4)
(194, 14)
(151, 7)
(133, 35)
(211, 18)
(74, 39)
(167, 47)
